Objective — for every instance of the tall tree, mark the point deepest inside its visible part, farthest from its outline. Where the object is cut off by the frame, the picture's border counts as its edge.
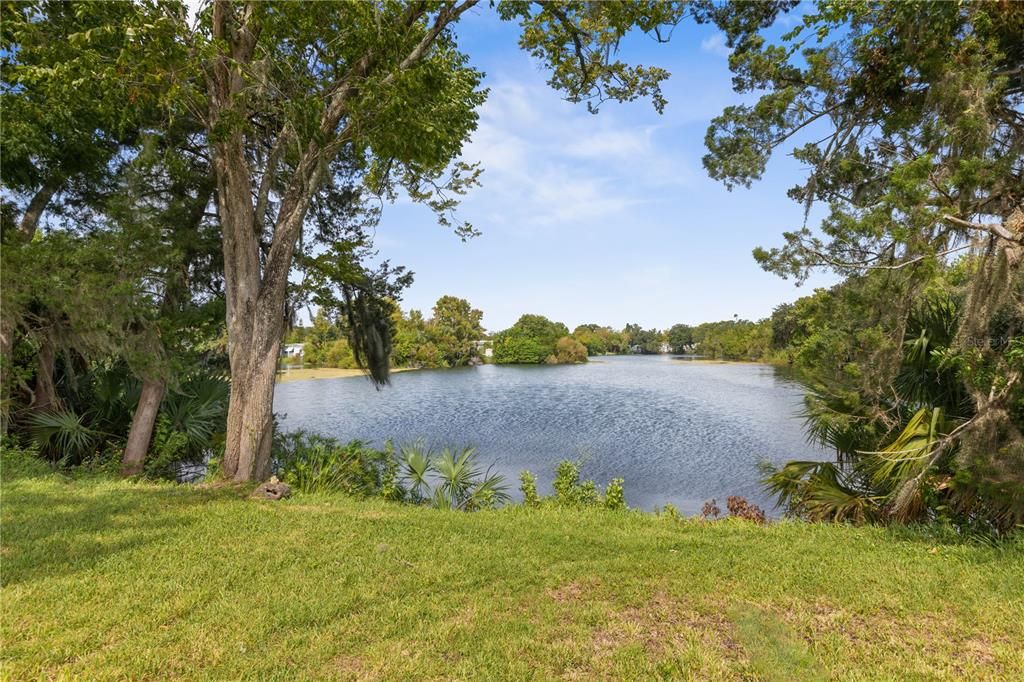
(300, 102)
(914, 140)
(455, 328)
(91, 141)
(291, 88)
(63, 129)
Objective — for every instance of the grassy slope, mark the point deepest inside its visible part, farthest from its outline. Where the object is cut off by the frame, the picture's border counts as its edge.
(110, 580)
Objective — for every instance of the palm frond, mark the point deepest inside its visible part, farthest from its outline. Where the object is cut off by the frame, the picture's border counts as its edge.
(63, 435)
(416, 465)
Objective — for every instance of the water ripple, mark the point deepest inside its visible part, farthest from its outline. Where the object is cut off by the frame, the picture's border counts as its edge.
(677, 432)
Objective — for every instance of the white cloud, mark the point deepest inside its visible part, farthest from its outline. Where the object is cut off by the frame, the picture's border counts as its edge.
(546, 161)
(611, 144)
(715, 44)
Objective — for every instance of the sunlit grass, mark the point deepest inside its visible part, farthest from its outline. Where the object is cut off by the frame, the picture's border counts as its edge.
(107, 579)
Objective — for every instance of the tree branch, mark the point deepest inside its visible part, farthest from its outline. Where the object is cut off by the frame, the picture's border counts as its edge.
(263, 195)
(557, 12)
(36, 207)
(992, 228)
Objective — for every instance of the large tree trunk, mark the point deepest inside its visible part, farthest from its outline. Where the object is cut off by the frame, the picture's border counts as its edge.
(247, 455)
(255, 286)
(141, 431)
(44, 393)
(255, 321)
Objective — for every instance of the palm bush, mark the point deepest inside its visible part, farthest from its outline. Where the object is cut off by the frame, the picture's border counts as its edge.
(64, 436)
(899, 458)
(198, 411)
(451, 479)
(96, 414)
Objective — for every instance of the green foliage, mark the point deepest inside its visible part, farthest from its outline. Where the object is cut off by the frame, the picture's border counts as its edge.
(647, 341)
(18, 461)
(454, 330)
(463, 485)
(567, 480)
(671, 512)
(846, 69)
(520, 350)
(532, 340)
(574, 41)
(733, 339)
(336, 353)
(197, 409)
(570, 491)
(681, 338)
(414, 466)
(322, 339)
(528, 487)
(567, 351)
(91, 427)
(168, 448)
(917, 152)
(451, 479)
(906, 453)
(448, 339)
(614, 495)
(601, 340)
(63, 436)
(317, 464)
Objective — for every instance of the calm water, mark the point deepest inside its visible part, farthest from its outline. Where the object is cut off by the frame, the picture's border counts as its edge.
(676, 431)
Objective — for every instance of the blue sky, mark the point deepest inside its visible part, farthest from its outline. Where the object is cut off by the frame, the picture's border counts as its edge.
(606, 218)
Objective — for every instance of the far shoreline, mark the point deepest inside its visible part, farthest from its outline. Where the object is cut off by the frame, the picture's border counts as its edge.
(285, 376)
(719, 361)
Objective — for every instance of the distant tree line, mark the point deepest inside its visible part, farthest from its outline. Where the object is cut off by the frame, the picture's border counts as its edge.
(451, 337)
(454, 337)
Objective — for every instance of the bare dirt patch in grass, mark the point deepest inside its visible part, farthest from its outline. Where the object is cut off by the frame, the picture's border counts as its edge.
(663, 627)
(349, 667)
(664, 622)
(569, 592)
(901, 634)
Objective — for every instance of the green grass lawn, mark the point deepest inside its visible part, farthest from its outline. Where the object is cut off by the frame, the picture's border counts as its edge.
(105, 579)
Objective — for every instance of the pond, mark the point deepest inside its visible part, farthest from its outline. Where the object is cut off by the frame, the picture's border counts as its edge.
(677, 431)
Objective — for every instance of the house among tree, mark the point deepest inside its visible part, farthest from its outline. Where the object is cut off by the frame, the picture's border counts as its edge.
(485, 348)
(292, 350)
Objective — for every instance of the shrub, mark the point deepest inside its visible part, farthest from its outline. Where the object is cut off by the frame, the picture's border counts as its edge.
(528, 486)
(316, 464)
(390, 488)
(64, 436)
(17, 461)
(567, 480)
(569, 491)
(568, 350)
(519, 350)
(450, 479)
(710, 510)
(615, 495)
(531, 340)
(169, 447)
(741, 509)
(671, 511)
